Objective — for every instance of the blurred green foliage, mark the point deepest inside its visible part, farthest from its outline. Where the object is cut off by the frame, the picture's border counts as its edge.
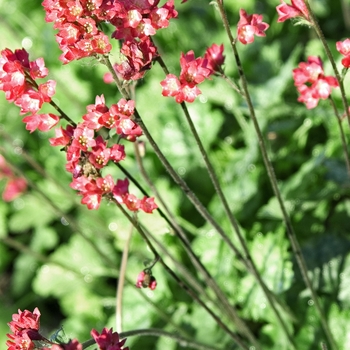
(64, 259)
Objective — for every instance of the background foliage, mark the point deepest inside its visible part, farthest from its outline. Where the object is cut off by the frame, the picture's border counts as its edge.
(48, 244)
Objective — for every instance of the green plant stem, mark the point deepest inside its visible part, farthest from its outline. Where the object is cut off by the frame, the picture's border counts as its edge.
(320, 35)
(342, 135)
(121, 281)
(188, 192)
(209, 280)
(233, 221)
(184, 286)
(154, 332)
(273, 180)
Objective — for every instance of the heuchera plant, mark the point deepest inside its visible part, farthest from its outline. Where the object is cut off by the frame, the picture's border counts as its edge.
(89, 152)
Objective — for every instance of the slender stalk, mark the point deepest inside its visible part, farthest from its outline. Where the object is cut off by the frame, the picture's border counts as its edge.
(184, 286)
(154, 332)
(120, 287)
(209, 280)
(342, 135)
(233, 221)
(320, 35)
(273, 180)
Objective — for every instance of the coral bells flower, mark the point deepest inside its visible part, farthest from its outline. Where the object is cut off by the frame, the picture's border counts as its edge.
(311, 82)
(344, 48)
(250, 25)
(214, 56)
(25, 328)
(146, 280)
(297, 9)
(193, 72)
(108, 340)
(17, 80)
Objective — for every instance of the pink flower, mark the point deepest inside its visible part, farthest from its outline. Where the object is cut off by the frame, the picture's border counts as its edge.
(146, 280)
(108, 340)
(311, 82)
(250, 25)
(25, 320)
(214, 56)
(297, 9)
(344, 48)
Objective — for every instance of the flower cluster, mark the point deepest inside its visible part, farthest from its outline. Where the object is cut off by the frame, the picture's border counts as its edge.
(134, 22)
(297, 9)
(25, 328)
(15, 185)
(25, 333)
(344, 48)
(88, 153)
(145, 279)
(193, 72)
(250, 25)
(311, 82)
(18, 78)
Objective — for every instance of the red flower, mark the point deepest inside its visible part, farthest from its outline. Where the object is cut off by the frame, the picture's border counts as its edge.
(311, 82)
(344, 48)
(108, 340)
(25, 320)
(146, 280)
(250, 25)
(214, 56)
(297, 9)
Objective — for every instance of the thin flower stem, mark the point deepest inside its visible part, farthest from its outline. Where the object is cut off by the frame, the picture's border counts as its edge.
(188, 192)
(322, 38)
(154, 332)
(273, 180)
(233, 221)
(209, 280)
(184, 286)
(121, 281)
(342, 135)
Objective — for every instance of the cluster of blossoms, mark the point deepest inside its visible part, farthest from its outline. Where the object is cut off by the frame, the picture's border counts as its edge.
(88, 153)
(344, 48)
(145, 279)
(193, 72)
(26, 336)
(134, 21)
(311, 82)
(18, 78)
(15, 185)
(250, 25)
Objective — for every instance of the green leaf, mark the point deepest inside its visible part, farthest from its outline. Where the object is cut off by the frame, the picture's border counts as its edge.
(35, 212)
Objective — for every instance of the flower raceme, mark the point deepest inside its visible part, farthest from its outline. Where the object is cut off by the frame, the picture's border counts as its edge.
(193, 72)
(311, 82)
(25, 331)
(18, 78)
(250, 25)
(87, 153)
(134, 22)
